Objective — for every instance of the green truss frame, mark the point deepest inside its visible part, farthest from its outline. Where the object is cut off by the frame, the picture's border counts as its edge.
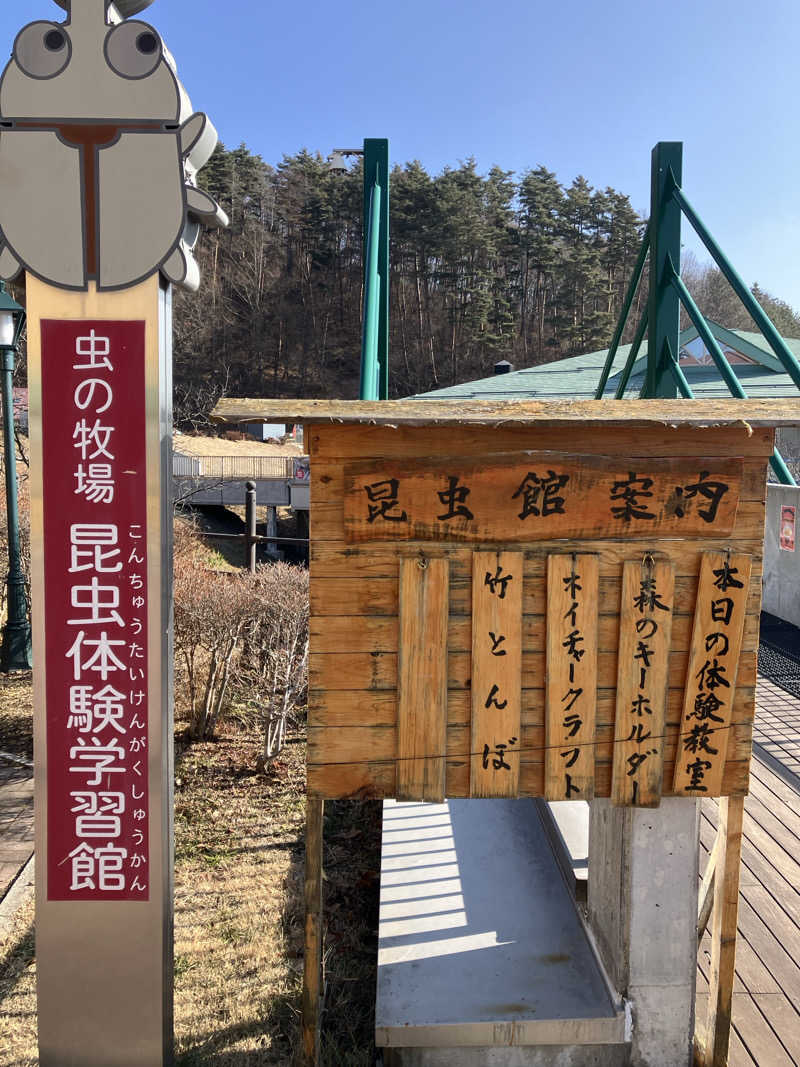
(661, 317)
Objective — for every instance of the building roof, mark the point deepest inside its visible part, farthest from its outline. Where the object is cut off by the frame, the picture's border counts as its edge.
(578, 376)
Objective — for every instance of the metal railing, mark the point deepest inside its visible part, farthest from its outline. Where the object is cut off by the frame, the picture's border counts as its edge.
(661, 317)
(233, 468)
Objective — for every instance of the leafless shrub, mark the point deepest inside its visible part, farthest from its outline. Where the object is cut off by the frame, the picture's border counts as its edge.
(274, 668)
(211, 613)
(241, 642)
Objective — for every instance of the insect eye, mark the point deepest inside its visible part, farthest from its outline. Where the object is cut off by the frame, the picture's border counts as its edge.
(42, 50)
(147, 43)
(55, 40)
(133, 49)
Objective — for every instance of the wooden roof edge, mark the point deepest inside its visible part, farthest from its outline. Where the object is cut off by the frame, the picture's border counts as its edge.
(779, 412)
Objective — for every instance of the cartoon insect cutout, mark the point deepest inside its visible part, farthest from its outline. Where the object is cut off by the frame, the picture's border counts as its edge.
(99, 149)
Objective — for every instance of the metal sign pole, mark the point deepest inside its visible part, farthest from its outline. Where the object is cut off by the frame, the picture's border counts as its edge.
(95, 102)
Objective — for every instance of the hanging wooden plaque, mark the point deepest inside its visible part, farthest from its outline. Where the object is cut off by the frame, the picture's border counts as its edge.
(571, 689)
(645, 630)
(711, 678)
(496, 673)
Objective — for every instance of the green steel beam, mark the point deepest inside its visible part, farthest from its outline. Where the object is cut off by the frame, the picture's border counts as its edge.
(707, 337)
(626, 309)
(376, 171)
(785, 476)
(641, 329)
(684, 388)
(665, 244)
(370, 367)
(773, 338)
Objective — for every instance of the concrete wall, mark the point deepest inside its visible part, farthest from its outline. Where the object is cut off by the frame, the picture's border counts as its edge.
(643, 874)
(781, 568)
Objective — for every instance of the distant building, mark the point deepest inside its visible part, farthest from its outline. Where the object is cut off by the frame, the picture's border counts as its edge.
(760, 372)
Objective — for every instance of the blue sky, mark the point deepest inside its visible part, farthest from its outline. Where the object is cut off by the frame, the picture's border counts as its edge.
(578, 85)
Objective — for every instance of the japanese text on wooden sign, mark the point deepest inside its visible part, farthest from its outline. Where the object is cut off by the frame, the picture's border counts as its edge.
(516, 620)
(518, 498)
(711, 681)
(95, 522)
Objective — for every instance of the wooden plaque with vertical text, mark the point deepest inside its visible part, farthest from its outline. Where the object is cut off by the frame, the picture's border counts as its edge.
(414, 503)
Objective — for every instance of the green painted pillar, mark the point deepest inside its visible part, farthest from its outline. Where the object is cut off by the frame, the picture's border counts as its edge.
(665, 250)
(376, 165)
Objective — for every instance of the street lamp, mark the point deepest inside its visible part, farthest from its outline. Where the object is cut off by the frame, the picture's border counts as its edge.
(15, 652)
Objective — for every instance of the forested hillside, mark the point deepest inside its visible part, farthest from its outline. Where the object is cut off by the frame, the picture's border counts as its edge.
(484, 267)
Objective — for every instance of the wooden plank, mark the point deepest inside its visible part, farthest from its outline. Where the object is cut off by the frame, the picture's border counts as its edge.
(781, 1014)
(378, 779)
(723, 933)
(782, 825)
(644, 663)
(312, 969)
(571, 677)
(361, 442)
(496, 673)
(664, 414)
(329, 476)
(348, 597)
(337, 559)
(711, 681)
(775, 786)
(378, 670)
(769, 929)
(379, 633)
(348, 707)
(329, 523)
(360, 744)
(422, 680)
(539, 496)
(757, 1034)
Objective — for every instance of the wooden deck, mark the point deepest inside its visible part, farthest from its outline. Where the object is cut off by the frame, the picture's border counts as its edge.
(766, 997)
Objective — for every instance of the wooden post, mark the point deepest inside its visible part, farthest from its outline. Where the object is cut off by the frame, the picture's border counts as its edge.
(723, 931)
(312, 973)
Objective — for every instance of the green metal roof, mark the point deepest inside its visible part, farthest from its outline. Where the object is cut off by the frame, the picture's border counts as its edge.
(578, 376)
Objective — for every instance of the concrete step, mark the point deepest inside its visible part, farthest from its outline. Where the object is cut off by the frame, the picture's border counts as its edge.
(567, 825)
(481, 943)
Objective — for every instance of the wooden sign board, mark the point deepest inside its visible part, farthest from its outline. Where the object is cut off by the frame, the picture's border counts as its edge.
(596, 692)
(529, 496)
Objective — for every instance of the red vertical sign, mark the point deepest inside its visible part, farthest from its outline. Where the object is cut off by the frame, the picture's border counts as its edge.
(95, 571)
(787, 529)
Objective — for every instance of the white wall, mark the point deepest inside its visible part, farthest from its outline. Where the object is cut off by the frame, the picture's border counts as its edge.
(781, 568)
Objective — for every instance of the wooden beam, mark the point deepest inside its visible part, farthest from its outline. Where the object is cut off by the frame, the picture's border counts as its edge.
(717, 412)
(422, 679)
(723, 931)
(705, 900)
(312, 971)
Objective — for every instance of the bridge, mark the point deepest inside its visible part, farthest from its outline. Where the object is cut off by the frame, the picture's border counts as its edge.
(202, 478)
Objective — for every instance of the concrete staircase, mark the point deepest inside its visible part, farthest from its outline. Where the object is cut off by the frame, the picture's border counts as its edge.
(484, 958)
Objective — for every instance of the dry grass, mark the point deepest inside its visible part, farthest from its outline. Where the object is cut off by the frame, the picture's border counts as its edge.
(238, 912)
(201, 445)
(238, 893)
